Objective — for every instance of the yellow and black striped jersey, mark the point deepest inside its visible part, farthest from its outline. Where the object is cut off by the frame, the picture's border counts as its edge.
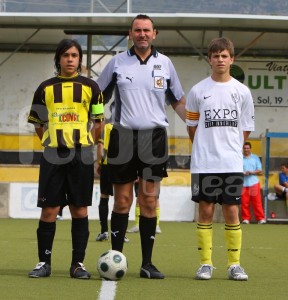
(107, 130)
(66, 107)
(104, 142)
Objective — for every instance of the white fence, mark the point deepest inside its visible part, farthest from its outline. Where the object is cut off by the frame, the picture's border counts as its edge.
(175, 203)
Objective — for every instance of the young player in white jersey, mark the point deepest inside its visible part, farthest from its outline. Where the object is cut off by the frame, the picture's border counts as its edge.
(219, 117)
(143, 79)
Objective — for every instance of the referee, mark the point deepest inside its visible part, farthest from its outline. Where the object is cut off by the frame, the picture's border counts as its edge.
(67, 111)
(142, 80)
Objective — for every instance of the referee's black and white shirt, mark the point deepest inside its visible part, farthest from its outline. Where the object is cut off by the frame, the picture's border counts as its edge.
(140, 89)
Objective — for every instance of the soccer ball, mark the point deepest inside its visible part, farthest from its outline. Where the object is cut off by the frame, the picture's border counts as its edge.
(112, 265)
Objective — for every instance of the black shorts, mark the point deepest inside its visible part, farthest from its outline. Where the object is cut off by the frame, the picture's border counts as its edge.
(66, 177)
(133, 153)
(106, 186)
(217, 187)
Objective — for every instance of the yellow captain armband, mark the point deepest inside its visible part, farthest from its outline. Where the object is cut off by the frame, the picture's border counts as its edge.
(100, 141)
(97, 109)
(192, 116)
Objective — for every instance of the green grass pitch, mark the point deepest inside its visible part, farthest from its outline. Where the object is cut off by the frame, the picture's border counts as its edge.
(264, 257)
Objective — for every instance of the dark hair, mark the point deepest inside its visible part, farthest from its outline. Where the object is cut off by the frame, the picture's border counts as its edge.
(62, 47)
(219, 45)
(248, 144)
(142, 17)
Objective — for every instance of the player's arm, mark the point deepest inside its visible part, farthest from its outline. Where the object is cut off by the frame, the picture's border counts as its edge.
(100, 145)
(38, 115)
(192, 115)
(97, 129)
(179, 108)
(191, 132)
(99, 151)
(39, 131)
(247, 115)
(286, 184)
(246, 135)
(97, 113)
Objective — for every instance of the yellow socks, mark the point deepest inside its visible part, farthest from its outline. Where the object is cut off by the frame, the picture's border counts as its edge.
(158, 215)
(233, 239)
(137, 215)
(204, 235)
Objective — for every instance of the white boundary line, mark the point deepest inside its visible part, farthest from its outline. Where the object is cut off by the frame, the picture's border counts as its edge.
(107, 290)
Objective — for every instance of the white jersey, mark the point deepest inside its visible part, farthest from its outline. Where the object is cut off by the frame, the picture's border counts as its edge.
(141, 89)
(221, 112)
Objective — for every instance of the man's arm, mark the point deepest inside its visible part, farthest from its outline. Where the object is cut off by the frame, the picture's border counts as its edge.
(256, 172)
(39, 130)
(246, 135)
(179, 107)
(96, 130)
(191, 131)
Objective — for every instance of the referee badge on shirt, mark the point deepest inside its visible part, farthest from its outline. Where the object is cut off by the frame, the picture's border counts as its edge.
(159, 82)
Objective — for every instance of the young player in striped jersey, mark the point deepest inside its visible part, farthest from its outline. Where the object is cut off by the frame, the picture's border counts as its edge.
(219, 117)
(106, 186)
(67, 111)
(142, 79)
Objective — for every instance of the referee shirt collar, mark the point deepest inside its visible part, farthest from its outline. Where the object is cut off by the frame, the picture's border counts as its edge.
(132, 52)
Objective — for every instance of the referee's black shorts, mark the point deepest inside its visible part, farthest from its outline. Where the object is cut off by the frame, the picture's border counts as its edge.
(133, 153)
(66, 177)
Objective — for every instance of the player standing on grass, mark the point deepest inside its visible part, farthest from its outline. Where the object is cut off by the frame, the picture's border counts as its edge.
(106, 186)
(219, 117)
(143, 78)
(67, 111)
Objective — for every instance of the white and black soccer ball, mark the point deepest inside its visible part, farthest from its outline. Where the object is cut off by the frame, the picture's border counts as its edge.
(112, 265)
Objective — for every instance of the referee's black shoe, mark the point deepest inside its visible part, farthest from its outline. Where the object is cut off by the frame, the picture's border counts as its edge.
(151, 272)
(78, 271)
(42, 269)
